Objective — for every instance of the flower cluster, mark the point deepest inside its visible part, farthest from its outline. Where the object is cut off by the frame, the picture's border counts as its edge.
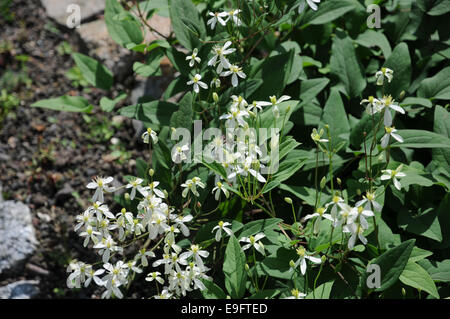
(154, 221)
(384, 105)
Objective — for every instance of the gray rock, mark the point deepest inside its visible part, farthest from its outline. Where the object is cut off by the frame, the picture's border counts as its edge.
(24, 289)
(17, 235)
(57, 9)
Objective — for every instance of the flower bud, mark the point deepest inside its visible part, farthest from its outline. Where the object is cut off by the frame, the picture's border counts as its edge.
(247, 267)
(339, 181)
(165, 193)
(291, 264)
(403, 292)
(215, 97)
(402, 95)
(151, 172)
(324, 258)
(288, 200)
(323, 182)
(127, 196)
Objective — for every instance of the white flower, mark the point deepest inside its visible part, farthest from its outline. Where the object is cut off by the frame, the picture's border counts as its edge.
(359, 214)
(149, 133)
(218, 189)
(388, 104)
(78, 271)
(193, 58)
(393, 174)
(100, 210)
(296, 294)
(335, 204)
(222, 226)
(215, 82)
(197, 83)
(254, 241)
(217, 17)
(100, 185)
(247, 168)
(106, 246)
(178, 153)
(357, 231)
(238, 102)
(235, 116)
(197, 254)
(301, 252)
(311, 4)
(181, 220)
(191, 185)
(384, 73)
(91, 274)
(142, 255)
(390, 131)
(219, 54)
(368, 199)
(233, 15)
(84, 219)
(90, 234)
(317, 137)
(165, 294)
(134, 184)
(255, 107)
(319, 214)
(155, 276)
(373, 105)
(234, 71)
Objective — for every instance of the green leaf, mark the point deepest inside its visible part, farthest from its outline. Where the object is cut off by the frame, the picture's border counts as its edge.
(442, 127)
(310, 88)
(321, 292)
(181, 13)
(419, 254)
(415, 276)
(66, 103)
(421, 139)
(183, 117)
(335, 116)
(154, 114)
(259, 226)
(152, 66)
(93, 71)
(345, 65)
(266, 293)
(212, 291)
(436, 87)
(275, 72)
(108, 105)
(439, 271)
(425, 223)
(400, 62)
(371, 38)
(122, 26)
(391, 263)
(287, 168)
(327, 12)
(234, 269)
(277, 264)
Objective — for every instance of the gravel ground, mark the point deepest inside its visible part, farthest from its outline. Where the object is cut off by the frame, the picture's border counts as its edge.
(47, 156)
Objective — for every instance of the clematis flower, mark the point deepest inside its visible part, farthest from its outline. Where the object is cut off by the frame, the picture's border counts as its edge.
(218, 189)
(311, 3)
(100, 186)
(219, 55)
(197, 83)
(149, 133)
(222, 226)
(393, 174)
(178, 153)
(217, 17)
(193, 58)
(303, 256)
(319, 214)
(373, 105)
(235, 72)
(384, 73)
(368, 199)
(389, 103)
(134, 184)
(356, 231)
(296, 294)
(254, 241)
(390, 131)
